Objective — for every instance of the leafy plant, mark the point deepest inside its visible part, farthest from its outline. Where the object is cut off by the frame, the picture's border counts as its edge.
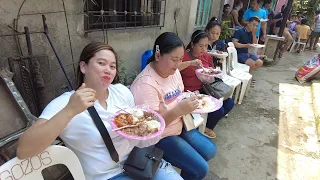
(307, 8)
(125, 77)
(225, 32)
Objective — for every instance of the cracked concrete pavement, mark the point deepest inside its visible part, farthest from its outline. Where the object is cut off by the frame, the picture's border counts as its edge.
(272, 134)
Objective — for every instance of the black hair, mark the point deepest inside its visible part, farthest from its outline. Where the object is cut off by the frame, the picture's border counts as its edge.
(318, 11)
(212, 23)
(267, 1)
(226, 6)
(237, 3)
(283, 8)
(167, 42)
(304, 21)
(259, 1)
(255, 18)
(196, 37)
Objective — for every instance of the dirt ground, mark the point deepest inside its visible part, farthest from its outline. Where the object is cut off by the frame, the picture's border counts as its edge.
(271, 135)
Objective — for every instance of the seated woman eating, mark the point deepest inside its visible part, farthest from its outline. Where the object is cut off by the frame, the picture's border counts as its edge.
(213, 30)
(66, 116)
(158, 86)
(197, 49)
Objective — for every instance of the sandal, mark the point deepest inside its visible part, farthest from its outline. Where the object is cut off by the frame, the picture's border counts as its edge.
(262, 57)
(209, 133)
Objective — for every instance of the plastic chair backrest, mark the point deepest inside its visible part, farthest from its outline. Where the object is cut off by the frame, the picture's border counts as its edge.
(230, 44)
(144, 58)
(232, 58)
(31, 168)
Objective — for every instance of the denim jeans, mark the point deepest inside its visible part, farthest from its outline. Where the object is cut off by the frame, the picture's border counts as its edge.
(165, 171)
(190, 152)
(214, 117)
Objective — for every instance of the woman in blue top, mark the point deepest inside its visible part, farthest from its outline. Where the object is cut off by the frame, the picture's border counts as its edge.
(213, 30)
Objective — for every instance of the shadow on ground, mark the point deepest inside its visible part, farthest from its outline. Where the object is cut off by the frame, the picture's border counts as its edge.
(271, 135)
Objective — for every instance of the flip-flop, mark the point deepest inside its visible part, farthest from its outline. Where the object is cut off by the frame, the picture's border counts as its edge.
(262, 57)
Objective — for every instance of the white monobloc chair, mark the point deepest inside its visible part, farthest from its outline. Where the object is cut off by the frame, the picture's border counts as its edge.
(231, 81)
(31, 168)
(201, 124)
(298, 42)
(234, 61)
(239, 72)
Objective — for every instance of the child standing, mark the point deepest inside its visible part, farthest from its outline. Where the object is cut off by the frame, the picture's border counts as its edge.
(304, 32)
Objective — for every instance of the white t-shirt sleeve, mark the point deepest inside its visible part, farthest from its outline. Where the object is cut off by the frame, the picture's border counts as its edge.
(55, 106)
(126, 94)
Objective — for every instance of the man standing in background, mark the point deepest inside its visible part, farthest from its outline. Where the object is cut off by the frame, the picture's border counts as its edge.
(235, 14)
(257, 11)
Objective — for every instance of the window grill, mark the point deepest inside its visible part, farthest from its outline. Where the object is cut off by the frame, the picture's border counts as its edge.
(123, 14)
(203, 13)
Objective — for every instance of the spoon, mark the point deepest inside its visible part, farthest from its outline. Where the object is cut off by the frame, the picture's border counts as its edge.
(123, 127)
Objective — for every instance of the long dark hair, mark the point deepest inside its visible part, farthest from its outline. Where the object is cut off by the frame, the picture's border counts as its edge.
(167, 42)
(88, 52)
(196, 37)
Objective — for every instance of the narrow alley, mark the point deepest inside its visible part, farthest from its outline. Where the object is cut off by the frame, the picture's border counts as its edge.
(271, 135)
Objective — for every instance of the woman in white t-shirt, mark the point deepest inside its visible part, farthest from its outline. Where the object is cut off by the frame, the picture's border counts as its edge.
(67, 116)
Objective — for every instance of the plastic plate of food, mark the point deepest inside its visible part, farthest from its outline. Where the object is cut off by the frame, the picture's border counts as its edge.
(218, 53)
(207, 103)
(207, 75)
(258, 45)
(139, 123)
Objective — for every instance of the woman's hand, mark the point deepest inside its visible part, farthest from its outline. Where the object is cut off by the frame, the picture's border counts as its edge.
(196, 62)
(188, 105)
(81, 100)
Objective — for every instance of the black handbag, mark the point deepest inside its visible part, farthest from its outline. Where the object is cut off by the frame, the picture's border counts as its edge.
(218, 89)
(142, 163)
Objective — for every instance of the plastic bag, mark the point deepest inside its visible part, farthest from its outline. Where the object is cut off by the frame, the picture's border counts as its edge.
(309, 70)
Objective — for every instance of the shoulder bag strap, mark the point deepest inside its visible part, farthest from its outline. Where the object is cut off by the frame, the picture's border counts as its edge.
(104, 133)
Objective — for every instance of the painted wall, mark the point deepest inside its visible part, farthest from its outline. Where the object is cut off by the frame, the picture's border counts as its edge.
(129, 44)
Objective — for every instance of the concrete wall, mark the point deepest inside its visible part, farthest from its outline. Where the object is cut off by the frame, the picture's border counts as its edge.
(129, 44)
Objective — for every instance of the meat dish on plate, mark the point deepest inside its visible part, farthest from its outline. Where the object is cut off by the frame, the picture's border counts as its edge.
(143, 123)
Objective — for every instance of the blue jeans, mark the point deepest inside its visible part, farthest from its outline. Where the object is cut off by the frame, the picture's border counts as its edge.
(165, 171)
(190, 152)
(214, 117)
